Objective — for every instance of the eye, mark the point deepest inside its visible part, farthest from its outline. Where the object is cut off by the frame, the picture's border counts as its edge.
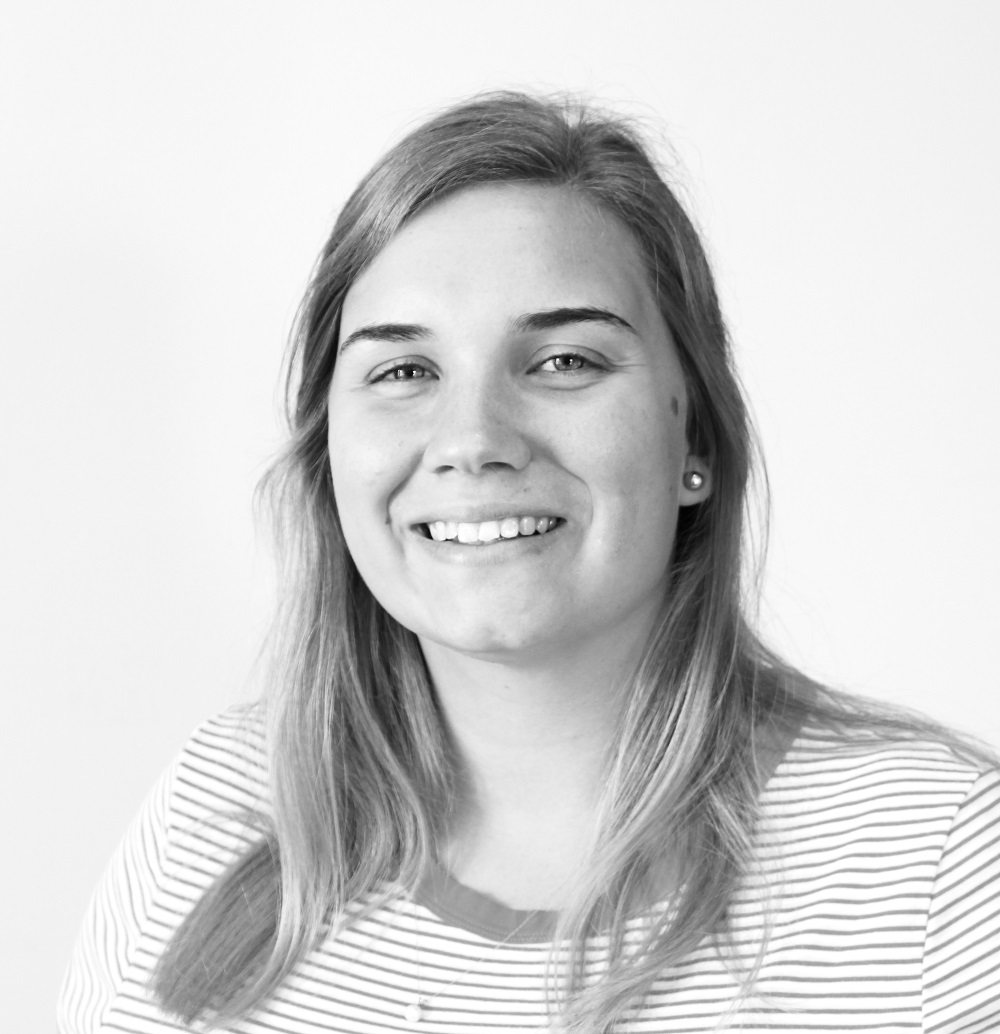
(567, 362)
(399, 373)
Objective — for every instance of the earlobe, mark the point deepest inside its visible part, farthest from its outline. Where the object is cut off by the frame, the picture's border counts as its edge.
(696, 484)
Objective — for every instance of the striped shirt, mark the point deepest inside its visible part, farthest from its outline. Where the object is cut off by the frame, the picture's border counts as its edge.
(882, 865)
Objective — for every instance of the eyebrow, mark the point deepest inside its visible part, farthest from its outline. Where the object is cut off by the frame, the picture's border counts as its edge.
(384, 332)
(550, 319)
(545, 319)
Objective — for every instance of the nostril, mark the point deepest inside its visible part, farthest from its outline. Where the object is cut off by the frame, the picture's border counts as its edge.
(475, 444)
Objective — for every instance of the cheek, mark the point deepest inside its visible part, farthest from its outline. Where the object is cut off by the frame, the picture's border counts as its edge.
(640, 451)
(365, 468)
(634, 466)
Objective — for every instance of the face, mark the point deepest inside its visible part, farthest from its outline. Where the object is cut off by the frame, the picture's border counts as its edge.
(507, 418)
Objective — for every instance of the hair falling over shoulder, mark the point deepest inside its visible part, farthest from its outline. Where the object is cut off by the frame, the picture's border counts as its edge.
(360, 770)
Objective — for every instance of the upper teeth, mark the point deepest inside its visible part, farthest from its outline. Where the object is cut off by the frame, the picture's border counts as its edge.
(489, 531)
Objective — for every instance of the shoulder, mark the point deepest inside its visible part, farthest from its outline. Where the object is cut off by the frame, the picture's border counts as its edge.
(877, 797)
(218, 797)
(879, 869)
(819, 766)
(209, 803)
(874, 828)
(223, 765)
(195, 821)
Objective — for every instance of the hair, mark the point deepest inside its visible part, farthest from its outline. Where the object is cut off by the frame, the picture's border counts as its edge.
(361, 772)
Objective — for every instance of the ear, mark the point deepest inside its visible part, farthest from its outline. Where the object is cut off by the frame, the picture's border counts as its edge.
(696, 482)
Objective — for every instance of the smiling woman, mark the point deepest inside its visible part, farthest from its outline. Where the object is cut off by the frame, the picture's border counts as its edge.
(524, 761)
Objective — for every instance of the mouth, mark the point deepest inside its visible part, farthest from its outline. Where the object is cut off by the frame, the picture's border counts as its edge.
(488, 533)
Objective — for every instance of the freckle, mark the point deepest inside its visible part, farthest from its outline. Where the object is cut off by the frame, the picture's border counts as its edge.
(674, 405)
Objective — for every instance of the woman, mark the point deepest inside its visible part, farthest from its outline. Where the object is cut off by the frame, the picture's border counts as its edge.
(524, 762)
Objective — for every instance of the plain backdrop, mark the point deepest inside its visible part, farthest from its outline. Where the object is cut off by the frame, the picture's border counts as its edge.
(169, 171)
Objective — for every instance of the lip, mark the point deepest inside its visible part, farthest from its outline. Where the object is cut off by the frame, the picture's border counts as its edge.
(492, 554)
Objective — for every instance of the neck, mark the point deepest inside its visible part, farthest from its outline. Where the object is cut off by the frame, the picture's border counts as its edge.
(531, 739)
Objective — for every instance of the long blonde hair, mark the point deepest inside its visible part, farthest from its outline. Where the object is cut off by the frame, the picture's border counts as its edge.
(360, 768)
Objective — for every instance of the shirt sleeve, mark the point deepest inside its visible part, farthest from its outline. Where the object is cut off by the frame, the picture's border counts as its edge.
(117, 913)
(961, 976)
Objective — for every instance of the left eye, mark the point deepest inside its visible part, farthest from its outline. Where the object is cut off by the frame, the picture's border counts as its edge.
(568, 362)
(402, 372)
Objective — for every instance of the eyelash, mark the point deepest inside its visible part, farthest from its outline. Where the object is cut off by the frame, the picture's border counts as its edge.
(392, 374)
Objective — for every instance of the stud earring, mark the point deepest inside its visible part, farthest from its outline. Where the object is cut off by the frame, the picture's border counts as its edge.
(693, 480)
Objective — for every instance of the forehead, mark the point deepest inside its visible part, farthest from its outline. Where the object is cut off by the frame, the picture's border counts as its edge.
(525, 246)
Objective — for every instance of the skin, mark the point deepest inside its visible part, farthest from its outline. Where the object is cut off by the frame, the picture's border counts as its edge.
(474, 417)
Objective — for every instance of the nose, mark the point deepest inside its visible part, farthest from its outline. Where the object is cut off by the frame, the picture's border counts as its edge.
(476, 429)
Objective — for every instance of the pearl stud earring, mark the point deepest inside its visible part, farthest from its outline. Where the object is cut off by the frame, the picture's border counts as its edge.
(693, 480)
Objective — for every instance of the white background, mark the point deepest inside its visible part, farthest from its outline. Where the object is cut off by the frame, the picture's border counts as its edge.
(169, 171)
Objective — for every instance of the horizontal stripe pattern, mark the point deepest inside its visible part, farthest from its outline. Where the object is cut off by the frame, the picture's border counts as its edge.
(878, 866)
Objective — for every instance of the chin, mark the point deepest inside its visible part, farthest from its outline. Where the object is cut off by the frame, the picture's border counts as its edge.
(492, 642)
